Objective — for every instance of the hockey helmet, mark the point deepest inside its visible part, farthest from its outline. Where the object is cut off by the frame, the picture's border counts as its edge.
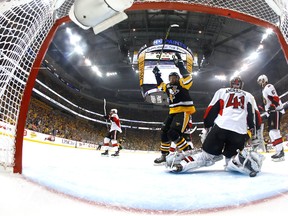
(262, 80)
(174, 74)
(236, 82)
(114, 111)
(173, 78)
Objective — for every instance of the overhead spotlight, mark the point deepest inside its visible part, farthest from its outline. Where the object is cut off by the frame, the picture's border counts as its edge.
(87, 62)
(260, 47)
(96, 70)
(98, 14)
(78, 49)
(244, 67)
(108, 74)
(253, 55)
(74, 39)
(220, 77)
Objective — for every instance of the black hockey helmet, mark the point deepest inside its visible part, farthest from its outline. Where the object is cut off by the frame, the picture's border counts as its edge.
(174, 74)
(236, 82)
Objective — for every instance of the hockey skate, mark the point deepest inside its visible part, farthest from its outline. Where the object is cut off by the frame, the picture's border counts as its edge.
(280, 156)
(116, 154)
(105, 153)
(161, 160)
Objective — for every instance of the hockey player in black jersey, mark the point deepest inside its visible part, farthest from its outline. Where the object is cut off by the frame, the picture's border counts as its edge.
(180, 108)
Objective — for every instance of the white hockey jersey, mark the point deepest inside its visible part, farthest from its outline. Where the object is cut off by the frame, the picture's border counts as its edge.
(230, 109)
(271, 97)
(115, 123)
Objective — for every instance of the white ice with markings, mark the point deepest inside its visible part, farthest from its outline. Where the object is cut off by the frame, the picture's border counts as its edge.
(131, 184)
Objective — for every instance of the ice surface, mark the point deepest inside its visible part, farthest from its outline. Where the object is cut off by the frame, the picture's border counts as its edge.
(131, 184)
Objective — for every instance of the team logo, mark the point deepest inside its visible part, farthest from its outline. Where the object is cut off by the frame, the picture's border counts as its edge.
(173, 91)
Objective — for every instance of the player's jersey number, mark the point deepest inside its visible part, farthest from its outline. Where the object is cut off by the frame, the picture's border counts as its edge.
(236, 101)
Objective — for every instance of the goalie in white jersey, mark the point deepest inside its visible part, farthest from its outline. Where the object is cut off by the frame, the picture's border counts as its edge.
(274, 110)
(226, 120)
(111, 136)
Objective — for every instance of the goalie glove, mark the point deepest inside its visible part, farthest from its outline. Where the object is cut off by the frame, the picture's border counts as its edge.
(178, 61)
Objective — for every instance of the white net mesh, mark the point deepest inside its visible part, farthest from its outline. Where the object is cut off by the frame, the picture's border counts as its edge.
(24, 26)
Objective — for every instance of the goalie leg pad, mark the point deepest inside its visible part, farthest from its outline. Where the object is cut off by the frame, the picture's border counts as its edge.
(248, 163)
(195, 161)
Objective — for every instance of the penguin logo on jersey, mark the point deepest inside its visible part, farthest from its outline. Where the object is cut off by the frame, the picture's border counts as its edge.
(173, 90)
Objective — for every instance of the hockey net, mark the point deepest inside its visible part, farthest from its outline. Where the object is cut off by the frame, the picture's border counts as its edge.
(27, 27)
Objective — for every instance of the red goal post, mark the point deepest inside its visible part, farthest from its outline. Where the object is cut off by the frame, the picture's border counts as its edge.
(27, 27)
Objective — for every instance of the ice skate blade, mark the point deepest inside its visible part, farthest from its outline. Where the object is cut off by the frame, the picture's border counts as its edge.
(278, 159)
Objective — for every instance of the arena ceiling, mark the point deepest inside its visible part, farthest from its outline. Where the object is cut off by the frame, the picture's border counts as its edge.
(223, 46)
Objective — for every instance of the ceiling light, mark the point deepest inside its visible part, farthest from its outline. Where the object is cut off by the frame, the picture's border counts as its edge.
(220, 77)
(269, 31)
(78, 50)
(111, 74)
(260, 47)
(244, 67)
(94, 68)
(99, 73)
(74, 39)
(68, 30)
(87, 62)
(253, 55)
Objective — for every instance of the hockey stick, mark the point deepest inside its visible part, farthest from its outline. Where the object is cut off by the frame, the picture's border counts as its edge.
(164, 42)
(192, 130)
(105, 112)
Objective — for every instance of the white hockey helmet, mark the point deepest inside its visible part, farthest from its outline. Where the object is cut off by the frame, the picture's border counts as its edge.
(262, 80)
(114, 111)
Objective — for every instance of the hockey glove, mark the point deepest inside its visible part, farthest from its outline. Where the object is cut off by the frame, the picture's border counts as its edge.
(178, 61)
(156, 71)
(272, 108)
(106, 117)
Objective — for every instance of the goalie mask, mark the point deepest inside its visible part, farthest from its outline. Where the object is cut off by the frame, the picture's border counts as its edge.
(236, 82)
(262, 80)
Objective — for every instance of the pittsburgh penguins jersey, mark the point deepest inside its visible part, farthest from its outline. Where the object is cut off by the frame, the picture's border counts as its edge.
(271, 98)
(178, 95)
(115, 123)
(230, 109)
